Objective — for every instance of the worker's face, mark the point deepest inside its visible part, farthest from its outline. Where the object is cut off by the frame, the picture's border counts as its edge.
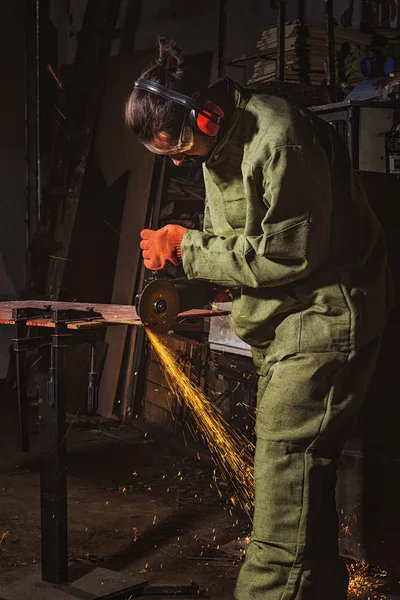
(200, 148)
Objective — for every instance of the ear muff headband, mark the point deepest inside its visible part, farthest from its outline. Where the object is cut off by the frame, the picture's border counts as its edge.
(211, 117)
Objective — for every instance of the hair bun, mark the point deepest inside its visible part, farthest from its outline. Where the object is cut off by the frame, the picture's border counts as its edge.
(170, 56)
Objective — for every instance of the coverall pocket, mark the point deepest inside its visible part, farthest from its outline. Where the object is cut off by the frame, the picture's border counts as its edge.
(235, 208)
(266, 371)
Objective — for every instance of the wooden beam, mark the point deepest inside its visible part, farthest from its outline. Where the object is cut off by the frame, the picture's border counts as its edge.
(128, 263)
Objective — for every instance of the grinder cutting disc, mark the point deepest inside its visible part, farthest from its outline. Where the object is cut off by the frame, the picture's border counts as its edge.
(158, 305)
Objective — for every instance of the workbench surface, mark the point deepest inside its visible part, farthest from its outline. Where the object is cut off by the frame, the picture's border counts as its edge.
(109, 313)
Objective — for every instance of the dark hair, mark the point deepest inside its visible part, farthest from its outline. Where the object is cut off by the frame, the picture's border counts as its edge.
(147, 114)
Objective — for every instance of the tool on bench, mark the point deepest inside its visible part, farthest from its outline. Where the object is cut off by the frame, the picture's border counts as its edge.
(162, 299)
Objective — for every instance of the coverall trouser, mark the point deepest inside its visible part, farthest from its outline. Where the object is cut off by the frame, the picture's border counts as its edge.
(307, 406)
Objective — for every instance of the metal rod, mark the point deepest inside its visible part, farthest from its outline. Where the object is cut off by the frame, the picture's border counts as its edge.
(330, 36)
(93, 386)
(32, 131)
(53, 475)
(280, 40)
(22, 395)
(222, 37)
(51, 380)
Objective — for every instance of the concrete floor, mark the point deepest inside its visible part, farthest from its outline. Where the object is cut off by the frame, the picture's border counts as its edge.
(135, 506)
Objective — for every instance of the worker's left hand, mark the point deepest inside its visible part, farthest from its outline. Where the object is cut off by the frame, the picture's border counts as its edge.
(162, 246)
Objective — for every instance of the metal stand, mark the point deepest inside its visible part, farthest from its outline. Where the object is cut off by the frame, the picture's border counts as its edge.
(21, 343)
(53, 433)
(53, 447)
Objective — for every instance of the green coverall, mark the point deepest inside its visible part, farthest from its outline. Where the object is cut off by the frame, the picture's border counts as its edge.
(288, 229)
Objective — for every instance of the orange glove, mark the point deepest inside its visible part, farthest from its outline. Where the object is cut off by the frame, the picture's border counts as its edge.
(162, 246)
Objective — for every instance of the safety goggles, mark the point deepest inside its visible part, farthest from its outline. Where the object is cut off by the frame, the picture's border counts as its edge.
(185, 141)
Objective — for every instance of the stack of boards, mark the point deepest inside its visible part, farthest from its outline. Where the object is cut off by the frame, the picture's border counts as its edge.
(305, 52)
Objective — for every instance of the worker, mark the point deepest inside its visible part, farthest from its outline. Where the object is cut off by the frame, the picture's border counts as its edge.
(288, 229)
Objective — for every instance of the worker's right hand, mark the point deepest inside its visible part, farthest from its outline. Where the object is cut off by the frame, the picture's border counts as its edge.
(162, 246)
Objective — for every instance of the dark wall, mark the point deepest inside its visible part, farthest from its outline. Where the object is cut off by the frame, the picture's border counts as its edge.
(12, 141)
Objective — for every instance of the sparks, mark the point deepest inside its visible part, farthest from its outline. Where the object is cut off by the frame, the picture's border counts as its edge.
(60, 113)
(230, 449)
(59, 257)
(58, 81)
(3, 536)
(362, 581)
(115, 231)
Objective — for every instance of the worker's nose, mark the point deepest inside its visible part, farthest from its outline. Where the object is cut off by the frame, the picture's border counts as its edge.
(177, 161)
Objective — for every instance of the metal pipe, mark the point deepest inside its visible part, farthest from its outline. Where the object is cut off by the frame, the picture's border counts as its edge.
(22, 376)
(330, 36)
(93, 385)
(53, 471)
(32, 131)
(280, 40)
(222, 37)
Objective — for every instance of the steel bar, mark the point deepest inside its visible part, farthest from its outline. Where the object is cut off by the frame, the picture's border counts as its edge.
(21, 333)
(21, 315)
(53, 448)
(53, 472)
(93, 385)
(32, 132)
(106, 313)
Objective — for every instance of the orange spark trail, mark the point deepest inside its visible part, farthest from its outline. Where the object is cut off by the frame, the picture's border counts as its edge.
(230, 449)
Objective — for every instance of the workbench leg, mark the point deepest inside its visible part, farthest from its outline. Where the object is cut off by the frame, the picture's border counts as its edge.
(53, 475)
(93, 385)
(22, 386)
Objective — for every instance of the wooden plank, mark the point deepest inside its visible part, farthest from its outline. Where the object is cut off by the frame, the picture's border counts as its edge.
(116, 151)
(162, 397)
(156, 375)
(111, 313)
(161, 415)
(136, 355)
(128, 262)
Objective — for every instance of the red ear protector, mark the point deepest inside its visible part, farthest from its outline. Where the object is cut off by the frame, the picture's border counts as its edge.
(206, 117)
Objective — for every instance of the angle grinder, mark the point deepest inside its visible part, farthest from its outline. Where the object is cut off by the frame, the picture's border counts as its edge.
(162, 300)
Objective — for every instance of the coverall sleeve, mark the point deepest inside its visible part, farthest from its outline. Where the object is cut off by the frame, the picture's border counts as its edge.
(295, 230)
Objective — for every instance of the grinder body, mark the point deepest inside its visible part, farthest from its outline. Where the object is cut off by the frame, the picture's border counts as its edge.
(162, 300)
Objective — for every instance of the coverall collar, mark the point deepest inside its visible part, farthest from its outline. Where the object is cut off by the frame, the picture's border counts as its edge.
(239, 97)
